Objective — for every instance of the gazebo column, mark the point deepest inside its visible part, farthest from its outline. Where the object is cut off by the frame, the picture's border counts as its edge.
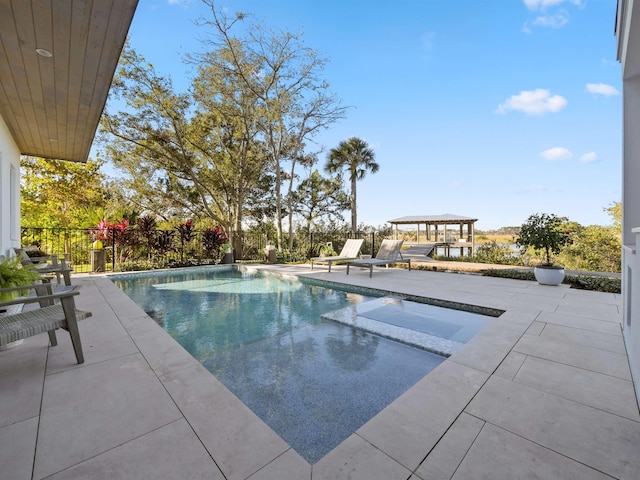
(448, 250)
(435, 226)
(473, 238)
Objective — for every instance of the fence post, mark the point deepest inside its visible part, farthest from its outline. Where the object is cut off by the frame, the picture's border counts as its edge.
(113, 248)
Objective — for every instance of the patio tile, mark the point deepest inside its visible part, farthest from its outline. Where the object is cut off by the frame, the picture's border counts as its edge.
(487, 350)
(607, 393)
(497, 454)
(22, 372)
(577, 295)
(289, 465)
(598, 439)
(443, 460)
(121, 304)
(587, 358)
(603, 312)
(536, 328)
(357, 459)
(102, 338)
(510, 365)
(543, 293)
(18, 445)
(163, 353)
(585, 338)
(239, 442)
(172, 451)
(519, 320)
(408, 428)
(77, 422)
(569, 320)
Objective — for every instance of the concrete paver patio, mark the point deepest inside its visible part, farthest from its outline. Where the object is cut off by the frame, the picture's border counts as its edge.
(544, 391)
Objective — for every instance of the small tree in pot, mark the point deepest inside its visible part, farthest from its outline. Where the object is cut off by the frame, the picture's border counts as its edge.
(543, 232)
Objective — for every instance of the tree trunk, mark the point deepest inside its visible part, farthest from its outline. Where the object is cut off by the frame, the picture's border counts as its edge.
(278, 206)
(354, 213)
(290, 203)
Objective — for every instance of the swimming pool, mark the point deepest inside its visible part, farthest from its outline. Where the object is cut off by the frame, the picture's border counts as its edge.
(314, 381)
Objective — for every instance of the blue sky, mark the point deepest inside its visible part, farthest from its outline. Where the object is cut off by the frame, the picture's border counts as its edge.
(492, 109)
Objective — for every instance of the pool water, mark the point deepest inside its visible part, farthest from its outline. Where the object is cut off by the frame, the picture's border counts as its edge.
(313, 381)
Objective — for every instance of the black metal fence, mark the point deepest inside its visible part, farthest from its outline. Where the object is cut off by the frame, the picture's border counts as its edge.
(124, 250)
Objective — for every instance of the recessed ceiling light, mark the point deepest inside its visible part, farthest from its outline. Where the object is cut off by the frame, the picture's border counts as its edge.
(44, 53)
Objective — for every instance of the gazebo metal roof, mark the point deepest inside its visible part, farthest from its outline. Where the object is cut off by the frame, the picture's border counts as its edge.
(446, 218)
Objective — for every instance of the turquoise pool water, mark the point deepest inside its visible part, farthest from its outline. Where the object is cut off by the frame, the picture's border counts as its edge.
(313, 381)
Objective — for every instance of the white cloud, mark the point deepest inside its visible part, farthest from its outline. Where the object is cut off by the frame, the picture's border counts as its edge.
(533, 102)
(556, 153)
(602, 89)
(552, 21)
(589, 157)
(542, 4)
(558, 17)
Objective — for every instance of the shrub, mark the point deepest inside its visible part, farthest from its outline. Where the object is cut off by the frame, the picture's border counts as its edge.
(494, 252)
(582, 282)
(515, 274)
(599, 284)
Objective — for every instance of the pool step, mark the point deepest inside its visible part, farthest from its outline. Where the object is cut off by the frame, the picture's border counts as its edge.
(356, 316)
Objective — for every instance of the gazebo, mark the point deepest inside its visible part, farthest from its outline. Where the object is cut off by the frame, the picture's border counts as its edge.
(437, 234)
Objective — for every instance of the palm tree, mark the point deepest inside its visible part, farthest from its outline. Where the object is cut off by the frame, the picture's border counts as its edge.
(355, 155)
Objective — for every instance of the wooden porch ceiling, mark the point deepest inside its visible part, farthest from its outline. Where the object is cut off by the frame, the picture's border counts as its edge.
(52, 104)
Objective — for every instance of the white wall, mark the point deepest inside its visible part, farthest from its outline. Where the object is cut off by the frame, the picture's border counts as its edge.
(9, 191)
(628, 33)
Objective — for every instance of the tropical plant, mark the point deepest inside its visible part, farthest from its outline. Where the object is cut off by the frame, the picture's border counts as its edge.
(14, 274)
(164, 241)
(146, 226)
(544, 232)
(358, 159)
(212, 239)
(186, 231)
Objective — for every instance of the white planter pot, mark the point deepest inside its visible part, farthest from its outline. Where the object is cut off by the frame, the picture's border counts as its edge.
(549, 275)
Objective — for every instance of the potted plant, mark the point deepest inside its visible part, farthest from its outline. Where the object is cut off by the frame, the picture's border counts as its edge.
(14, 274)
(543, 232)
(326, 250)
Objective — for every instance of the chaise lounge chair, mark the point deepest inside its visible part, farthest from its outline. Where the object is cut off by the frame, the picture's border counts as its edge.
(388, 254)
(350, 251)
